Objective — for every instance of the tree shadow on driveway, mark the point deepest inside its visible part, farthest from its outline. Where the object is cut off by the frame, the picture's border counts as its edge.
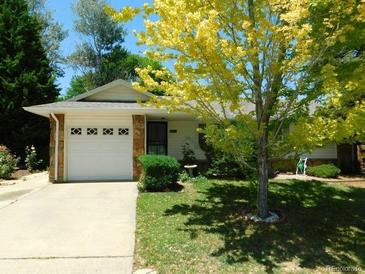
(325, 225)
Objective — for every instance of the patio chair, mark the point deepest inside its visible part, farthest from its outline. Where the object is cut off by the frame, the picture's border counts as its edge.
(302, 166)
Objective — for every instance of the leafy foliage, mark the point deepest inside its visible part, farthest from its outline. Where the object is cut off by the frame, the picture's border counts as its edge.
(224, 165)
(340, 73)
(52, 34)
(118, 64)
(324, 171)
(159, 172)
(101, 58)
(26, 79)
(8, 163)
(188, 155)
(32, 162)
(253, 61)
(101, 34)
(184, 176)
(222, 162)
(79, 85)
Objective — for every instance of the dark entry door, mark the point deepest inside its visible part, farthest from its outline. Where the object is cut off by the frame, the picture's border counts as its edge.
(157, 138)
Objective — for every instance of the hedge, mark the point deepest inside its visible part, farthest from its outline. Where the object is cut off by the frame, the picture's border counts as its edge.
(159, 172)
(324, 171)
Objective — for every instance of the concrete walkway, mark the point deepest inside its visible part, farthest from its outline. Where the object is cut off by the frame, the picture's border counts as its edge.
(13, 190)
(70, 228)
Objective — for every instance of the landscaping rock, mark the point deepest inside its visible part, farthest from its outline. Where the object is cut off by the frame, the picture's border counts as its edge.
(273, 218)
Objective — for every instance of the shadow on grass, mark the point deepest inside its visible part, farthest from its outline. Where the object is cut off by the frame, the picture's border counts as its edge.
(324, 227)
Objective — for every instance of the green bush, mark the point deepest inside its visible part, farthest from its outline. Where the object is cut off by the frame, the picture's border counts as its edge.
(324, 171)
(224, 165)
(7, 163)
(199, 180)
(159, 172)
(32, 162)
(188, 155)
(184, 176)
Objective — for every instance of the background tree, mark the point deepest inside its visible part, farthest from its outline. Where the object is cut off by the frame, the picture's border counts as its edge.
(248, 60)
(52, 34)
(78, 85)
(102, 39)
(26, 79)
(101, 57)
(112, 68)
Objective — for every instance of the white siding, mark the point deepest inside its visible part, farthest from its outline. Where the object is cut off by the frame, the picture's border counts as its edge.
(98, 157)
(186, 132)
(119, 93)
(327, 152)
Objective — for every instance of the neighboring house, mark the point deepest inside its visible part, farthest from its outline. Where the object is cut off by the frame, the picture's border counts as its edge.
(98, 135)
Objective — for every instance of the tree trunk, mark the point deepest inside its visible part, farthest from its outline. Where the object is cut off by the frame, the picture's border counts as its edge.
(263, 175)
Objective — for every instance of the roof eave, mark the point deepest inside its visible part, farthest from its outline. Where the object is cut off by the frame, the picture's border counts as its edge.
(46, 111)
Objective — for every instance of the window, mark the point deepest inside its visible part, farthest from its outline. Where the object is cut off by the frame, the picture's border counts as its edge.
(157, 138)
(92, 131)
(123, 131)
(108, 131)
(76, 131)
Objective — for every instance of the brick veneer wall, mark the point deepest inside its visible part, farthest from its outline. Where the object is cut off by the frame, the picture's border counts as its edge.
(138, 143)
(52, 143)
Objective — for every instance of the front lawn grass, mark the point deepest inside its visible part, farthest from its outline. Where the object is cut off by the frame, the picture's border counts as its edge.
(200, 230)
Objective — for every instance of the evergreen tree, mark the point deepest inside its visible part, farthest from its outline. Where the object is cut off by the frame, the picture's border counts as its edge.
(25, 79)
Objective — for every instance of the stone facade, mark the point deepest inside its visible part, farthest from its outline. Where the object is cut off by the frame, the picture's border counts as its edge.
(52, 143)
(138, 143)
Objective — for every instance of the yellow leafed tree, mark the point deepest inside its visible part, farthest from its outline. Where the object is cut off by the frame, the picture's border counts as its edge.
(243, 66)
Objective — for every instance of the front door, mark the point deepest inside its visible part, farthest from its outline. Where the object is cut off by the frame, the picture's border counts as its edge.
(157, 138)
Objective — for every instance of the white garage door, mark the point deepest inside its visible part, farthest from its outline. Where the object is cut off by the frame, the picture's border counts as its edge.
(99, 153)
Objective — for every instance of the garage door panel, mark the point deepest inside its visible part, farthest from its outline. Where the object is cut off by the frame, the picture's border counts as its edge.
(100, 157)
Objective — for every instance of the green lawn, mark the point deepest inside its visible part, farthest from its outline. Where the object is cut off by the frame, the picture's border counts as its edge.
(200, 230)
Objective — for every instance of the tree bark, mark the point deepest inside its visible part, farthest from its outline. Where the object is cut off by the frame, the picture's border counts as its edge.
(263, 174)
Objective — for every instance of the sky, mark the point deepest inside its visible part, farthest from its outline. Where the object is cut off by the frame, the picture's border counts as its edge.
(62, 13)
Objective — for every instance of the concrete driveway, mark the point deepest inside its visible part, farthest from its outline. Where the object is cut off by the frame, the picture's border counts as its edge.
(70, 228)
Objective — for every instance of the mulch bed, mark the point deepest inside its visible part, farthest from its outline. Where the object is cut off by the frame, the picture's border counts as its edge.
(18, 174)
(248, 211)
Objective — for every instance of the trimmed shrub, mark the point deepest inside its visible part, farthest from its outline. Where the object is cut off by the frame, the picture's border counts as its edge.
(324, 171)
(159, 172)
(7, 163)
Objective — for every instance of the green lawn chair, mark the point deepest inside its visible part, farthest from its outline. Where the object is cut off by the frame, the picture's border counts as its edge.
(302, 166)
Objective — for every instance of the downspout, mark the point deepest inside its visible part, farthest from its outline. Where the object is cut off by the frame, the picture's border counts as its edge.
(56, 147)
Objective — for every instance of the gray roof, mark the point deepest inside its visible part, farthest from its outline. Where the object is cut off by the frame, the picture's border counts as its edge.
(80, 106)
